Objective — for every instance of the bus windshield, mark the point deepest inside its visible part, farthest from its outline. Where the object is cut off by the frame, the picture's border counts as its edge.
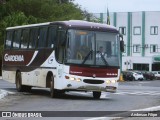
(92, 48)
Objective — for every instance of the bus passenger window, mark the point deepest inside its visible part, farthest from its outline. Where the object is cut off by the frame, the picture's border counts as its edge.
(25, 38)
(8, 39)
(51, 37)
(16, 39)
(42, 37)
(33, 37)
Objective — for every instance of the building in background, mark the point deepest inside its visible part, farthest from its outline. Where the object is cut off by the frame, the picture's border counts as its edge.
(141, 37)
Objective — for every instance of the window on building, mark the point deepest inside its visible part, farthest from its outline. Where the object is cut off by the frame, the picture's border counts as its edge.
(138, 66)
(137, 30)
(154, 30)
(136, 48)
(153, 48)
(155, 67)
(122, 30)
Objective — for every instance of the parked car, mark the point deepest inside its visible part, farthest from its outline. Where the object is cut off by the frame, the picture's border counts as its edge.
(148, 75)
(132, 75)
(127, 75)
(137, 76)
(157, 75)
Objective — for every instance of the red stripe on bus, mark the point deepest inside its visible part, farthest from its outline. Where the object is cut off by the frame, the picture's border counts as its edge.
(93, 72)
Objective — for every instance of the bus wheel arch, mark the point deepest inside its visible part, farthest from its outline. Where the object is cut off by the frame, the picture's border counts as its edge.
(48, 79)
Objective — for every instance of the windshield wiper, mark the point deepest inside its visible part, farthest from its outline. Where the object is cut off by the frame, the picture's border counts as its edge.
(103, 59)
(86, 57)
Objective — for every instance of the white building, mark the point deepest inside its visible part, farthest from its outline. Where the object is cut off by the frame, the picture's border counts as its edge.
(141, 37)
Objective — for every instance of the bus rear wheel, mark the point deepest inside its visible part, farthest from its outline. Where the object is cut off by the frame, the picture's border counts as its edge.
(96, 95)
(19, 85)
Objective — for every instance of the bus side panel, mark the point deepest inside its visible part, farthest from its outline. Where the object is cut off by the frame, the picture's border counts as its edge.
(27, 78)
(9, 76)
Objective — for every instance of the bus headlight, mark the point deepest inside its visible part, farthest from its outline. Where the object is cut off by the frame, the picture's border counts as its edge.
(113, 81)
(73, 78)
(78, 79)
(108, 81)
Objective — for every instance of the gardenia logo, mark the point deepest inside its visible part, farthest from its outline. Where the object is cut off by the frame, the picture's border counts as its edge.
(13, 57)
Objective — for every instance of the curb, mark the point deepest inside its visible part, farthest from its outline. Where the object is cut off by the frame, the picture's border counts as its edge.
(3, 93)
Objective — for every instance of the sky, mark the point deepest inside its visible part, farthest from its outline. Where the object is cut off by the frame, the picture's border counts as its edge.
(100, 6)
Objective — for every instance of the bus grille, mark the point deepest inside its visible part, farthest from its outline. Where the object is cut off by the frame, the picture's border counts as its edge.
(93, 81)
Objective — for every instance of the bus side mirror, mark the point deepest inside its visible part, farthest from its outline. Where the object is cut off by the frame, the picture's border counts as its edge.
(121, 43)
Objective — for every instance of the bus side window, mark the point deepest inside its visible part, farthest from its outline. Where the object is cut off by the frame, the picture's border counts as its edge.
(33, 37)
(8, 39)
(25, 38)
(51, 37)
(16, 39)
(42, 37)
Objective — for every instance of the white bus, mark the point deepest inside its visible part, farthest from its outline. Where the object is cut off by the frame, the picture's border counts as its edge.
(63, 56)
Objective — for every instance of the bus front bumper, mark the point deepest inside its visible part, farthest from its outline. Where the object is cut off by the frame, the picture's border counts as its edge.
(111, 89)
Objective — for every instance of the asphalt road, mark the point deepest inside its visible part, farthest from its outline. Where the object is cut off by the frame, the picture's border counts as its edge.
(133, 95)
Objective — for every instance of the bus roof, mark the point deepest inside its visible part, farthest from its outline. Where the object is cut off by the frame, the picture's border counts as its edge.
(73, 24)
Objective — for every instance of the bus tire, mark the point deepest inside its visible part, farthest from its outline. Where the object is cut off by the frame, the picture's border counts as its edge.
(52, 90)
(96, 95)
(27, 88)
(19, 85)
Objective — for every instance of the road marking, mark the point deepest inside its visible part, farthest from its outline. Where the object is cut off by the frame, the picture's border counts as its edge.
(155, 108)
(121, 93)
(144, 82)
(108, 95)
(152, 93)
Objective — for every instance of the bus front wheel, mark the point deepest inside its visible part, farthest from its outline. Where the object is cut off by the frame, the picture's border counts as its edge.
(96, 95)
(52, 90)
